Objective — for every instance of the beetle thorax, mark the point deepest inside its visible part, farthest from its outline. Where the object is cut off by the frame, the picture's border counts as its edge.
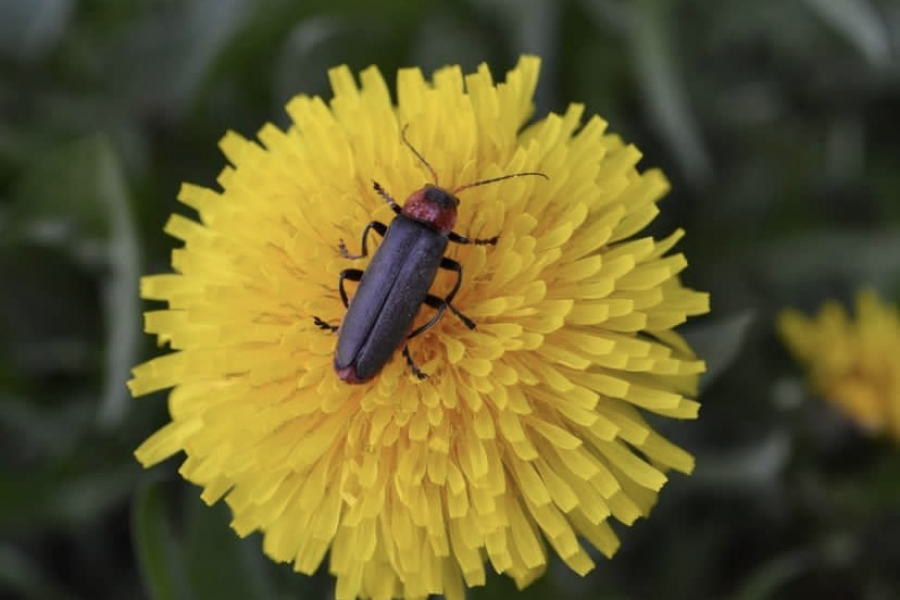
(433, 206)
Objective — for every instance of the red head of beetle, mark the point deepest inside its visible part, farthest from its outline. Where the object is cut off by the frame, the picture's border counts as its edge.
(433, 206)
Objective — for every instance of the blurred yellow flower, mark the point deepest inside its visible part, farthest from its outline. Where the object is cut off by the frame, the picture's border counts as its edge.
(853, 364)
(529, 430)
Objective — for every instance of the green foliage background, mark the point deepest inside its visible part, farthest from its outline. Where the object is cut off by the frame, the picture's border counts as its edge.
(776, 121)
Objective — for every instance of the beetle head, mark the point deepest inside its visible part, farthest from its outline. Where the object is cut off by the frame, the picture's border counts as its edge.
(434, 206)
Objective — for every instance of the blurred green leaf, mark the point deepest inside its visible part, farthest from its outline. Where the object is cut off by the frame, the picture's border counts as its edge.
(769, 577)
(51, 497)
(609, 14)
(159, 554)
(321, 42)
(802, 264)
(120, 290)
(56, 472)
(203, 559)
(169, 55)
(665, 95)
(311, 48)
(499, 587)
(881, 485)
(76, 200)
(860, 24)
(753, 468)
(219, 564)
(29, 28)
(204, 29)
(57, 202)
(49, 321)
(533, 27)
(51, 432)
(454, 33)
(24, 578)
(719, 342)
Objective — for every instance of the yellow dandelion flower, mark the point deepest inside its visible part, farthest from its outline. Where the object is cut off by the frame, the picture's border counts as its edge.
(528, 432)
(855, 365)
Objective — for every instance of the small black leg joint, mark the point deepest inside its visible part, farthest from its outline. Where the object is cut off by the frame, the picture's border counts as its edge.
(461, 239)
(380, 229)
(324, 325)
(352, 275)
(466, 320)
(433, 302)
(412, 365)
(387, 197)
(452, 265)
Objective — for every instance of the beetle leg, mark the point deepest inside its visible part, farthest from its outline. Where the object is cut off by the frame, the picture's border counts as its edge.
(387, 197)
(452, 265)
(441, 305)
(461, 239)
(352, 275)
(324, 326)
(380, 229)
(433, 302)
(412, 365)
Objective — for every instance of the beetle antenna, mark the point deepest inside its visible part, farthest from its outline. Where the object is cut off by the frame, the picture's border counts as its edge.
(496, 179)
(418, 155)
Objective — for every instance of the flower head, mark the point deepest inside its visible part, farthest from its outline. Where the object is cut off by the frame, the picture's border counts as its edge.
(528, 432)
(854, 364)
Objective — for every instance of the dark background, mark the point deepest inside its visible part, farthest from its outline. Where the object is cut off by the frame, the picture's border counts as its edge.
(777, 122)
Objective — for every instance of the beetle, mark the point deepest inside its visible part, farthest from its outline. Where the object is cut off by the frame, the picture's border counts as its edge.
(396, 284)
